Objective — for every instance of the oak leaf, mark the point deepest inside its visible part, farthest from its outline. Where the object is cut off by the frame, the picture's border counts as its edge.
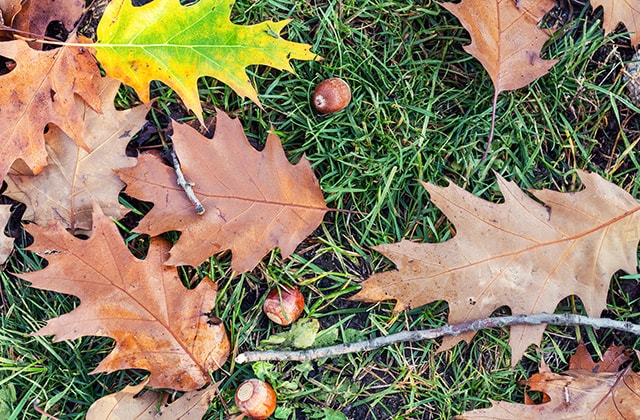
(621, 11)
(176, 44)
(254, 201)
(157, 324)
(75, 178)
(6, 243)
(612, 359)
(40, 90)
(574, 394)
(8, 10)
(519, 253)
(36, 15)
(505, 38)
(127, 404)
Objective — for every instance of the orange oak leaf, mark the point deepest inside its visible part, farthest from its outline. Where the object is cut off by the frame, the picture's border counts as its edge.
(41, 90)
(519, 253)
(254, 201)
(158, 325)
(573, 394)
(74, 177)
(612, 359)
(625, 11)
(127, 404)
(6, 243)
(505, 38)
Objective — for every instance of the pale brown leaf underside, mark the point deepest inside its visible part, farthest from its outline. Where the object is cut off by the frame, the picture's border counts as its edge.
(41, 90)
(254, 201)
(505, 38)
(621, 11)
(575, 394)
(158, 325)
(36, 15)
(519, 253)
(75, 178)
(6, 243)
(127, 404)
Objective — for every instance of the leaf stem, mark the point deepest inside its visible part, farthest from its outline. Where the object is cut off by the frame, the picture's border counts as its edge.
(493, 123)
(446, 330)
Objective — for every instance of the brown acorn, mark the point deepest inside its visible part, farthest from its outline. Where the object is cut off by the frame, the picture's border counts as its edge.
(256, 399)
(284, 306)
(331, 95)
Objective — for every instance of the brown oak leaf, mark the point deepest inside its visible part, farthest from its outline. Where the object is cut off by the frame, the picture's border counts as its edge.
(8, 10)
(158, 324)
(254, 201)
(506, 39)
(36, 15)
(6, 243)
(75, 178)
(519, 253)
(41, 90)
(612, 359)
(617, 11)
(127, 404)
(573, 394)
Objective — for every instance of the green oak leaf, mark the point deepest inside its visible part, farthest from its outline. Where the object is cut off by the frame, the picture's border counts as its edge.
(177, 45)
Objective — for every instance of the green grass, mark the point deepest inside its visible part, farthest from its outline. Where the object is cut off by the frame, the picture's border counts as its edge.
(421, 111)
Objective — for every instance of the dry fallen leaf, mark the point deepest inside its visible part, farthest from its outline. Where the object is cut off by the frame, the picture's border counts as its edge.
(612, 359)
(574, 394)
(539, 254)
(506, 39)
(254, 201)
(621, 11)
(41, 90)
(6, 243)
(127, 404)
(36, 15)
(8, 10)
(157, 323)
(74, 178)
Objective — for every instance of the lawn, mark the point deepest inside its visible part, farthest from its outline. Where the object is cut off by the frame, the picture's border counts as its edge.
(420, 111)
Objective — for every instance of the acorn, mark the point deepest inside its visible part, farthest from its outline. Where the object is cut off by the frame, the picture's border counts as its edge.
(284, 306)
(331, 95)
(256, 399)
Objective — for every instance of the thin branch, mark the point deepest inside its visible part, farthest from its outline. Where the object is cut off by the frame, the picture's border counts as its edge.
(446, 330)
(186, 186)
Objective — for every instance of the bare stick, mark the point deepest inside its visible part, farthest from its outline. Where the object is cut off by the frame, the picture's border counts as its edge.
(186, 186)
(447, 330)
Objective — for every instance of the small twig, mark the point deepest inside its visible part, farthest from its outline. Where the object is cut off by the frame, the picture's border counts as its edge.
(186, 186)
(41, 411)
(446, 330)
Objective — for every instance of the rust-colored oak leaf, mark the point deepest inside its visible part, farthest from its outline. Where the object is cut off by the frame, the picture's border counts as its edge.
(519, 253)
(127, 404)
(158, 325)
(612, 359)
(254, 201)
(36, 15)
(6, 243)
(506, 39)
(41, 90)
(74, 177)
(574, 394)
(617, 11)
